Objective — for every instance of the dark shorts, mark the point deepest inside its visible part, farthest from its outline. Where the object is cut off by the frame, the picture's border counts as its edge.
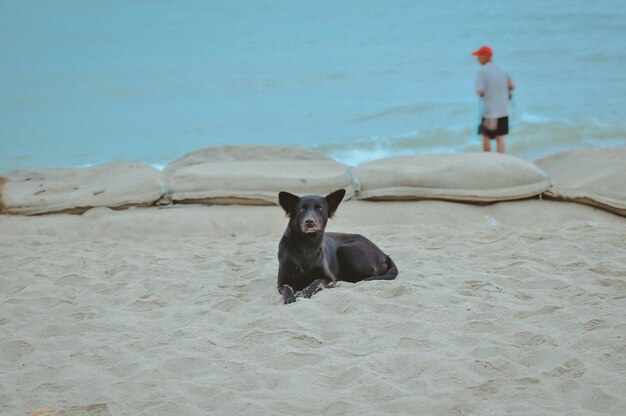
(502, 128)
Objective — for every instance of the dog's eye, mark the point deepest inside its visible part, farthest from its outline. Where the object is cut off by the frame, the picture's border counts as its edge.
(319, 209)
(302, 209)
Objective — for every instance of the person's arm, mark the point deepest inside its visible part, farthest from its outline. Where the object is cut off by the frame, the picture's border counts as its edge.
(481, 84)
(511, 88)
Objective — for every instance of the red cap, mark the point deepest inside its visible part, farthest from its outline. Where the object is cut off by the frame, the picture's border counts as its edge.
(484, 51)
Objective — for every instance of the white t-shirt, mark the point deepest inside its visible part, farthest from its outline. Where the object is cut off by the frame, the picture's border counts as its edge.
(493, 80)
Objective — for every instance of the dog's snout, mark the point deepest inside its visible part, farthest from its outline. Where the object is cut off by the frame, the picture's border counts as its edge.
(309, 221)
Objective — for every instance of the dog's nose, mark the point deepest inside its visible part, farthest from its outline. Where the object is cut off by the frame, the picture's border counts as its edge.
(309, 221)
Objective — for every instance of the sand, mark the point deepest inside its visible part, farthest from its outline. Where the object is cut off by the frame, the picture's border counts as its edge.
(514, 308)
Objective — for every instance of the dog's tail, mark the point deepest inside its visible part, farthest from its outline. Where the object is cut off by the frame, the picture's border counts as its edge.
(392, 271)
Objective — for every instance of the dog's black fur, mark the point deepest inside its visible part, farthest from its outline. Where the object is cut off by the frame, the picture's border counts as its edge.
(310, 259)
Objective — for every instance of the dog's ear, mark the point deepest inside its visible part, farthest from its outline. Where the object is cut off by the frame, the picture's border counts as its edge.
(288, 201)
(333, 200)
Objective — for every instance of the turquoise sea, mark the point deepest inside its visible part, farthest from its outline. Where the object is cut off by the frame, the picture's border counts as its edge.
(86, 81)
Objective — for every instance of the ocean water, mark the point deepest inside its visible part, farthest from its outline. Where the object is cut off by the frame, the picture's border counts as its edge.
(86, 81)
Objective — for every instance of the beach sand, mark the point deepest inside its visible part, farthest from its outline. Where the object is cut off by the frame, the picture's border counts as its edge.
(512, 308)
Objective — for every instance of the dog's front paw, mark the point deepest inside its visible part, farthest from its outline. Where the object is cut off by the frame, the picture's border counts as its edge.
(314, 287)
(307, 292)
(288, 295)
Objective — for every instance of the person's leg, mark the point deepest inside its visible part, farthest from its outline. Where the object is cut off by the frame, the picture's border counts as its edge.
(500, 144)
(489, 126)
(486, 144)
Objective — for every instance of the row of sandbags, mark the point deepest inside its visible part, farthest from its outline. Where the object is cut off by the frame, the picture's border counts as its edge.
(254, 175)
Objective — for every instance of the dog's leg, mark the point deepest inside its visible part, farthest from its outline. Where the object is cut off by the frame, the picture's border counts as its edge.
(316, 286)
(288, 295)
(392, 271)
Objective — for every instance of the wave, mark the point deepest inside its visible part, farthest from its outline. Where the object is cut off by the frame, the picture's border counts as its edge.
(531, 137)
(403, 110)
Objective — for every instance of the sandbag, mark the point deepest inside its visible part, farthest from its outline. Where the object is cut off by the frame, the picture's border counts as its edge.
(594, 177)
(253, 175)
(115, 185)
(237, 153)
(473, 177)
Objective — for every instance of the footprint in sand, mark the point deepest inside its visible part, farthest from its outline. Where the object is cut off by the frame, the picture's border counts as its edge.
(486, 389)
(595, 324)
(12, 351)
(530, 339)
(546, 310)
(306, 341)
(571, 369)
(598, 401)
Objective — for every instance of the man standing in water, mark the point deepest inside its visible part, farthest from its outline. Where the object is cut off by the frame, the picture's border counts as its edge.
(494, 86)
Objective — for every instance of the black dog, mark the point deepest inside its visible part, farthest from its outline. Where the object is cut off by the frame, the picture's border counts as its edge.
(310, 259)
